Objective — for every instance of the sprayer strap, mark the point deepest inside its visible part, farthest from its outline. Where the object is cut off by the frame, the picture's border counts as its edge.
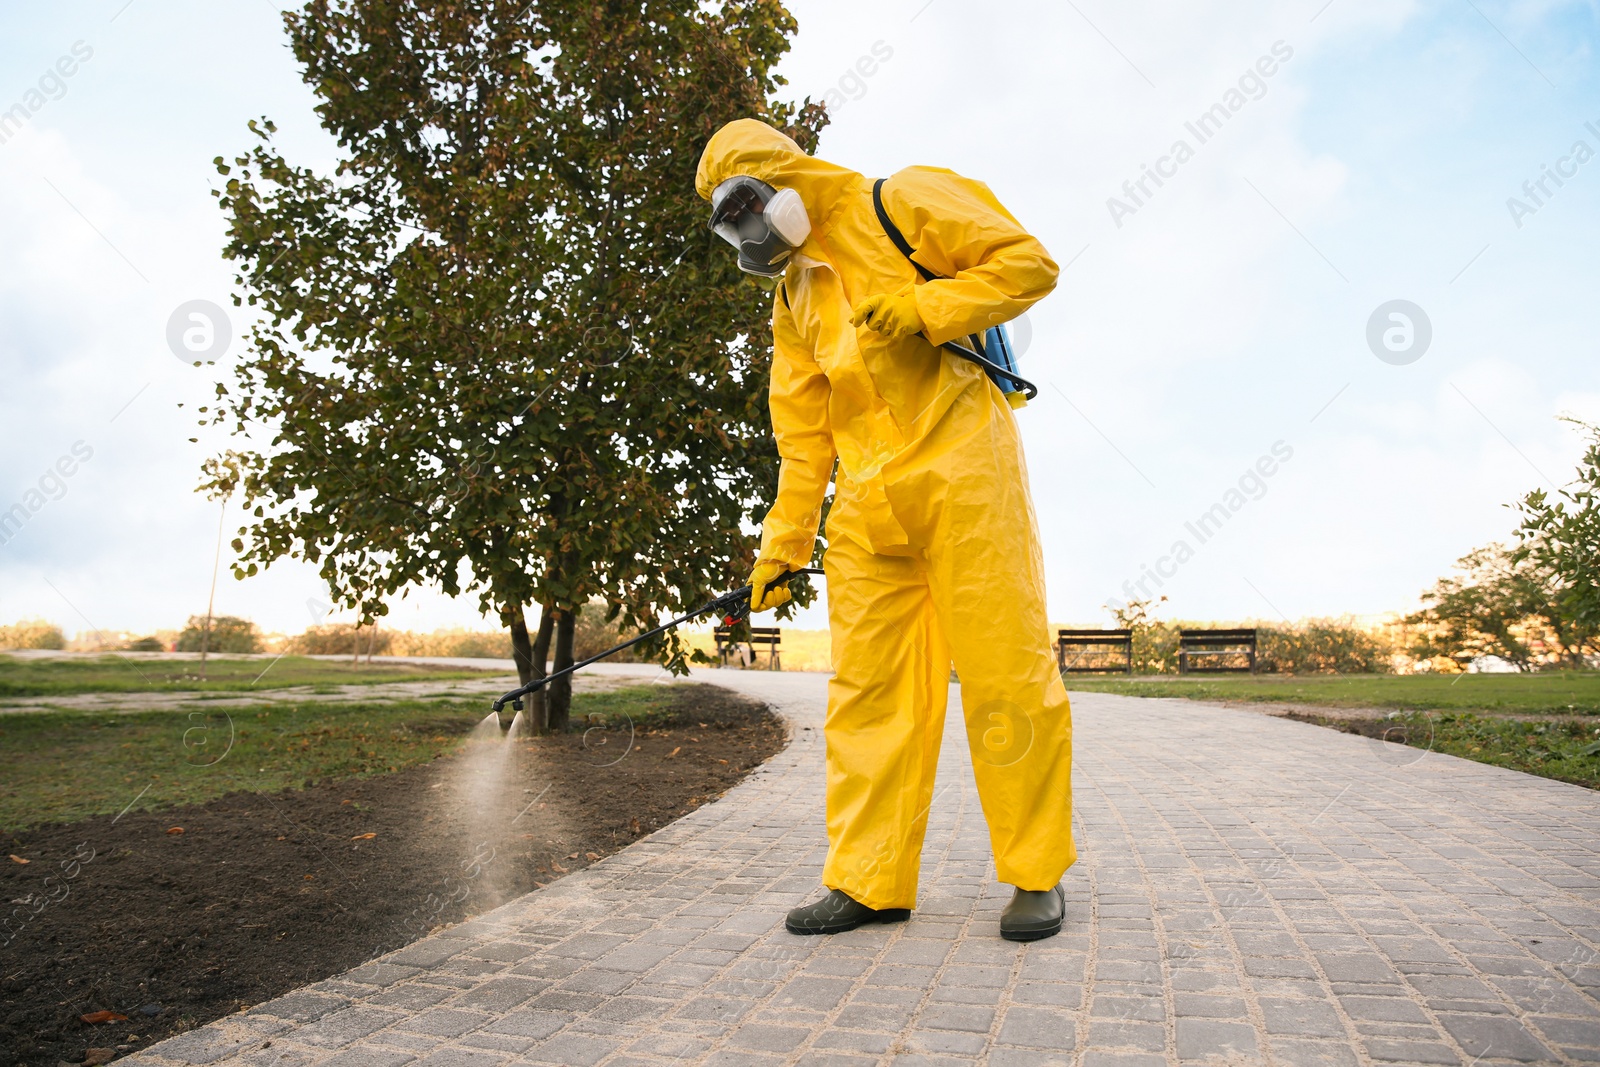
(894, 233)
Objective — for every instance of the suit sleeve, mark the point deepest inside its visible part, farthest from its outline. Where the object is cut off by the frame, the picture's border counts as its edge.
(992, 269)
(798, 400)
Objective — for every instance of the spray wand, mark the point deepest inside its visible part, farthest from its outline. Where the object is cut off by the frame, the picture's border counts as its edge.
(733, 607)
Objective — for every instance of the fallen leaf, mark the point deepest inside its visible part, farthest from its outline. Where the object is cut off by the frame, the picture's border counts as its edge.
(94, 1057)
(702, 726)
(592, 855)
(722, 761)
(283, 839)
(95, 1017)
(18, 859)
(554, 866)
(675, 751)
(175, 830)
(309, 877)
(363, 837)
(573, 856)
(634, 825)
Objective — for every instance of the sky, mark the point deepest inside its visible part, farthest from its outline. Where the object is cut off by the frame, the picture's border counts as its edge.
(1220, 343)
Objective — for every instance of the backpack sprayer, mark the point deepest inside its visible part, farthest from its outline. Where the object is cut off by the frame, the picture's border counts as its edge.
(734, 607)
(992, 350)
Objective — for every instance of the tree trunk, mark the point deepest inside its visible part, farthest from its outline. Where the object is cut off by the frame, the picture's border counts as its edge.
(538, 720)
(558, 704)
(521, 647)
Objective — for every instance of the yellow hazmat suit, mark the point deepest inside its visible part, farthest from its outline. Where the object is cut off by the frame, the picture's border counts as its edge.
(933, 549)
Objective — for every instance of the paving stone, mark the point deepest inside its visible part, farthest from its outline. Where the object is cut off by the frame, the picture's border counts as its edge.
(571, 1050)
(346, 1025)
(460, 1057)
(445, 1022)
(1233, 867)
(1099, 1058)
(1301, 1018)
(1198, 1039)
(1314, 1053)
(1502, 1038)
(1039, 1028)
(303, 1006)
(1583, 1033)
(1126, 1034)
(368, 1057)
(1403, 1051)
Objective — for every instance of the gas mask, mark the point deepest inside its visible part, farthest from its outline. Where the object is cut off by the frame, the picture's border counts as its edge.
(763, 223)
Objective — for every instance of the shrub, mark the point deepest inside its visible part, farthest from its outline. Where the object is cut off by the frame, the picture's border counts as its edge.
(228, 634)
(475, 644)
(1316, 646)
(593, 633)
(1320, 646)
(33, 633)
(341, 639)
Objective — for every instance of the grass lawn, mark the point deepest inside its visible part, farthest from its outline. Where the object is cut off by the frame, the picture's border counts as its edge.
(1550, 693)
(59, 676)
(1461, 715)
(1568, 751)
(57, 766)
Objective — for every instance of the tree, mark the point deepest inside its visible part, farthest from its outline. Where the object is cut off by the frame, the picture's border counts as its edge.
(225, 633)
(1561, 537)
(498, 349)
(1503, 603)
(1155, 643)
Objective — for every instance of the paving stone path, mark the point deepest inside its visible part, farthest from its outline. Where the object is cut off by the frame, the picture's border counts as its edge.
(1250, 890)
(600, 677)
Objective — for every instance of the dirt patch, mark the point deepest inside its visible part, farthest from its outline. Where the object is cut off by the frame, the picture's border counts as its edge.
(1336, 715)
(261, 893)
(1392, 730)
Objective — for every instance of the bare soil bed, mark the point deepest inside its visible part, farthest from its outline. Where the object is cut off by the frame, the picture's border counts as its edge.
(174, 918)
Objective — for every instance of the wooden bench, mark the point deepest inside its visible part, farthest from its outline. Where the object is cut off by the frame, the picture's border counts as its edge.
(1208, 645)
(1098, 643)
(729, 646)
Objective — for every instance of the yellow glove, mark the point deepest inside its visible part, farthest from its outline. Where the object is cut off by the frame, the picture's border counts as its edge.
(763, 594)
(891, 314)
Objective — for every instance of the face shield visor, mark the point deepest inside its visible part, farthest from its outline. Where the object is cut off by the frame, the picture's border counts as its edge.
(763, 223)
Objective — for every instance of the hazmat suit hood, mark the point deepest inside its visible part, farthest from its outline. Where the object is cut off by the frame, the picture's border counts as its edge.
(753, 148)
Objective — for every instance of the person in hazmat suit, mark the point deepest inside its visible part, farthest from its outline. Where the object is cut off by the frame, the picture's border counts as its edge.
(933, 550)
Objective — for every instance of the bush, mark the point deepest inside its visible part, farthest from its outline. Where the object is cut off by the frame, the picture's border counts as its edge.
(34, 633)
(228, 634)
(593, 634)
(1320, 646)
(341, 639)
(473, 644)
(147, 644)
(1316, 646)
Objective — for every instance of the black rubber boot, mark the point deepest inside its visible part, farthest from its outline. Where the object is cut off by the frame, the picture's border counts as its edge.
(838, 912)
(1033, 914)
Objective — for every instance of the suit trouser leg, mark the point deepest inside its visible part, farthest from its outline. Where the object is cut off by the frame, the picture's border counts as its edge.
(986, 574)
(886, 706)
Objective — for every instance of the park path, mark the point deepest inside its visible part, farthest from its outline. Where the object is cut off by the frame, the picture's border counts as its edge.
(498, 676)
(1250, 890)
